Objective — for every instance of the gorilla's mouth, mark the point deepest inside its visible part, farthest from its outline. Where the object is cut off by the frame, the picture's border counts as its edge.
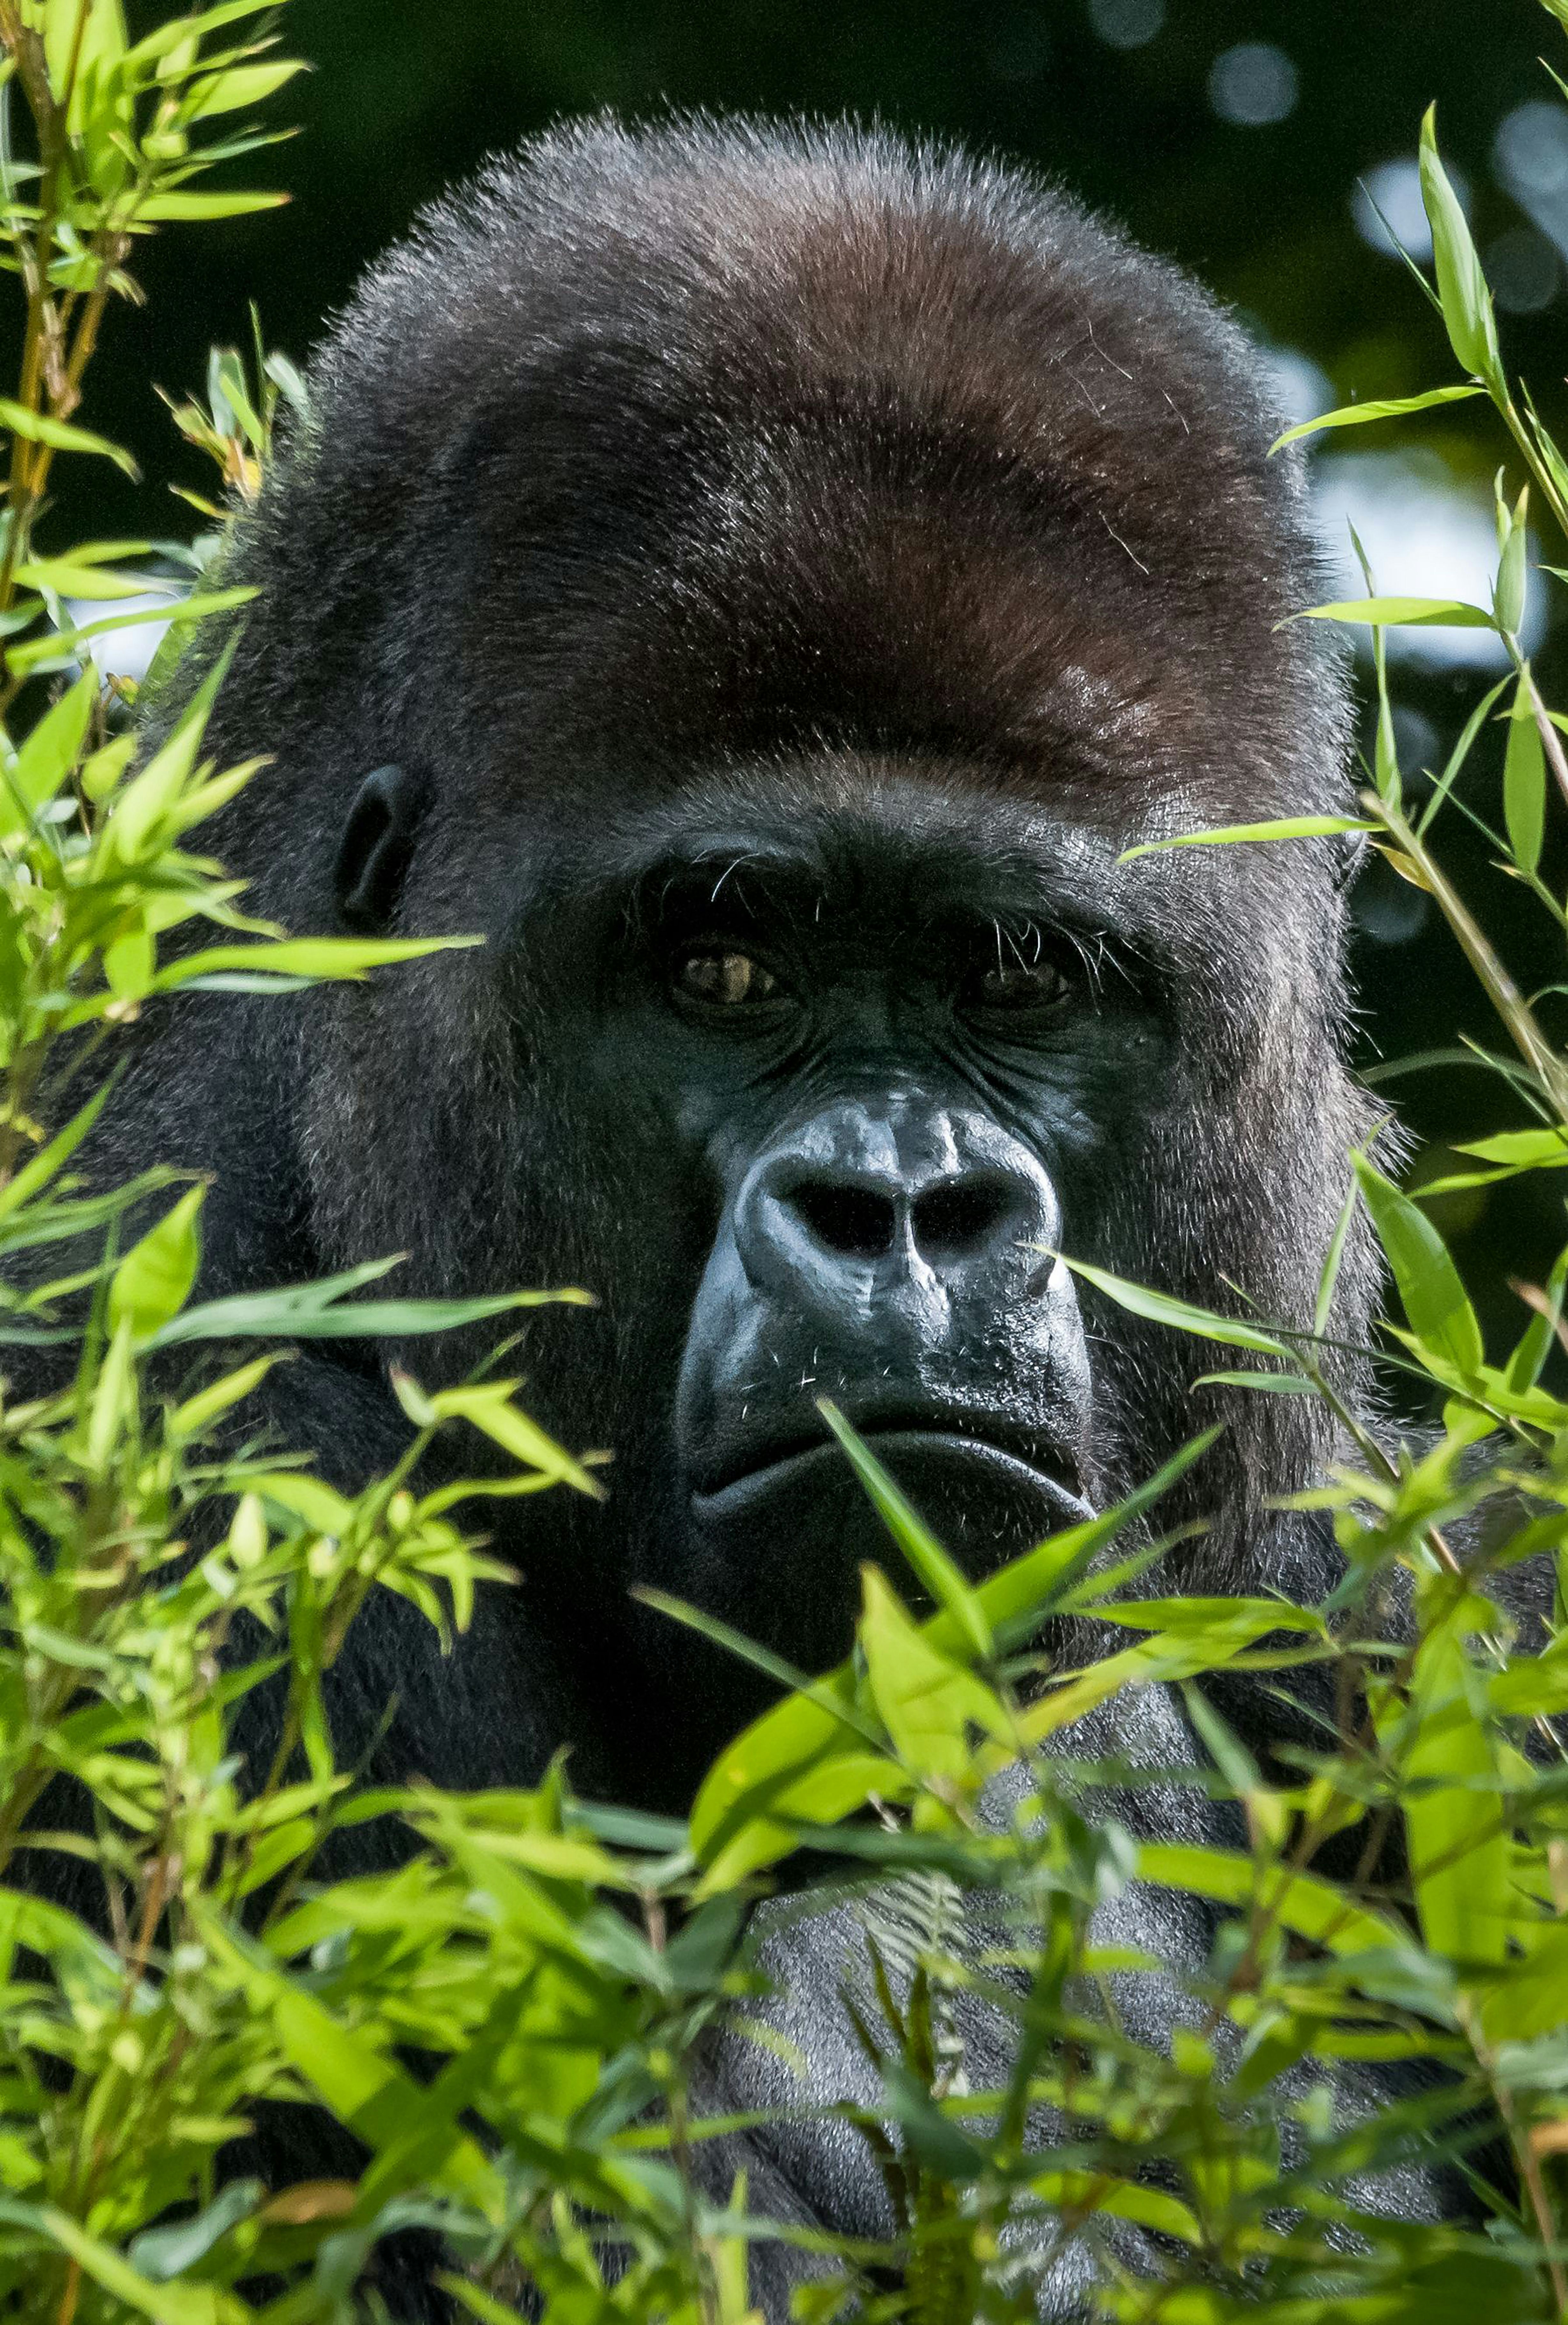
(912, 1448)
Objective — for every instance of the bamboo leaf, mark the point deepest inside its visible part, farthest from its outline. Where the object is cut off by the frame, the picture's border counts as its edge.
(1461, 287)
(240, 85)
(1525, 780)
(1161, 1308)
(1459, 1834)
(152, 1282)
(1291, 826)
(39, 428)
(926, 1701)
(1302, 1902)
(166, 207)
(915, 1537)
(1434, 1299)
(313, 959)
(1356, 415)
(1401, 612)
(43, 765)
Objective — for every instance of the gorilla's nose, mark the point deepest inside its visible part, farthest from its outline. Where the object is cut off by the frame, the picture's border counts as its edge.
(861, 1200)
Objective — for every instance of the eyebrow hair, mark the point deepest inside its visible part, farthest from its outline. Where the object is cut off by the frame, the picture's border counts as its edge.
(963, 878)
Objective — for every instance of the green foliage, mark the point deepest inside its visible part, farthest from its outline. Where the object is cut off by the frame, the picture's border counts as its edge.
(553, 1966)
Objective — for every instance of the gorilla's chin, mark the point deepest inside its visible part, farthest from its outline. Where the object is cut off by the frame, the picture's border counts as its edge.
(779, 1548)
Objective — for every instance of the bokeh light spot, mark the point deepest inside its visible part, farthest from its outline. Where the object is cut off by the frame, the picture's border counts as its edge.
(1253, 85)
(1127, 23)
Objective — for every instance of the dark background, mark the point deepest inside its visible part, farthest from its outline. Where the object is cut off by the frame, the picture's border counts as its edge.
(1145, 110)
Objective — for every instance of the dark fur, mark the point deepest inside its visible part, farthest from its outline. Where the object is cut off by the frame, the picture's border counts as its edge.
(789, 472)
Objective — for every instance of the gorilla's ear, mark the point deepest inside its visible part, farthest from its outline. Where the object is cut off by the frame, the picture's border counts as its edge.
(377, 844)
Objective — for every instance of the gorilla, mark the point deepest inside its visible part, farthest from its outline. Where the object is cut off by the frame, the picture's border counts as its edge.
(762, 580)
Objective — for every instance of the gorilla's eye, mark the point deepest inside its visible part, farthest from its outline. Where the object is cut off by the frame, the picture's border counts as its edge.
(1018, 985)
(723, 980)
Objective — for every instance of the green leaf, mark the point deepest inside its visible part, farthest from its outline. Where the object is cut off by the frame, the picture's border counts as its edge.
(1355, 416)
(1522, 1150)
(1453, 1806)
(1511, 588)
(296, 1313)
(1262, 1383)
(165, 2253)
(338, 959)
(34, 1176)
(197, 1413)
(926, 1701)
(1091, 2193)
(70, 577)
(1014, 1598)
(1461, 751)
(1508, 1156)
(180, 29)
(38, 428)
(1290, 827)
(1525, 780)
(240, 87)
(1401, 612)
(1160, 1308)
(362, 2086)
(1178, 1616)
(1328, 1274)
(152, 1282)
(1441, 1316)
(807, 1760)
(1302, 1902)
(1462, 286)
(43, 764)
(919, 1546)
(169, 207)
(36, 653)
(165, 2304)
(488, 1408)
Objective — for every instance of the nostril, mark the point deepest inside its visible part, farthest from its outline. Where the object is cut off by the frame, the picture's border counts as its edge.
(855, 1222)
(962, 1215)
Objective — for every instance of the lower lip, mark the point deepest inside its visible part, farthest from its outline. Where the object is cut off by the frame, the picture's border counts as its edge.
(1003, 1468)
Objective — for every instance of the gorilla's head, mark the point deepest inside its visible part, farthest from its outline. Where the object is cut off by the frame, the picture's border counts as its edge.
(763, 582)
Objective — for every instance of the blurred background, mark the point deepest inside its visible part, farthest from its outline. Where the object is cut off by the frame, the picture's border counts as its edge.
(1256, 141)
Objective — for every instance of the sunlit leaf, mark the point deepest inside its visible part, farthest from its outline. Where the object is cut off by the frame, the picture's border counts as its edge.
(1355, 416)
(168, 206)
(152, 1282)
(240, 85)
(1290, 827)
(926, 1700)
(1453, 1809)
(349, 958)
(294, 1313)
(1161, 1308)
(47, 757)
(1525, 780)
(1435, 1300)
(1302, 1902)
(1401, 612)
(915, 1537)
(1462, 286)
(59, 435)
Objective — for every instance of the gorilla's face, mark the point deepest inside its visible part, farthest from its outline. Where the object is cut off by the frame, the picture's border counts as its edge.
(854, 1055)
